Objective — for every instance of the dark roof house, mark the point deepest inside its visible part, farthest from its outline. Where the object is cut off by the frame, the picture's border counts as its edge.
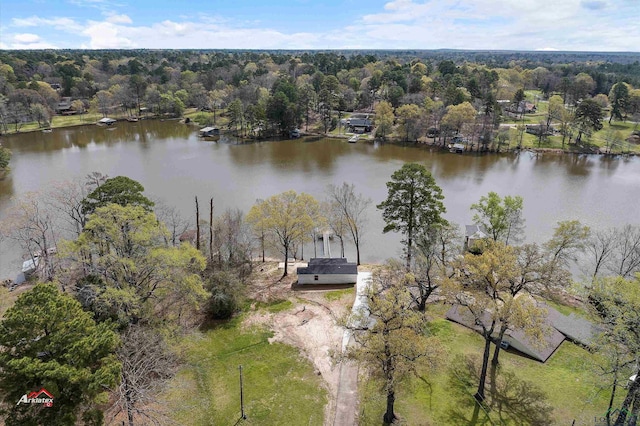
(360, 125)
(515, 338)
(559, 327)
(64, 106)
(576, 329)
(328, 271)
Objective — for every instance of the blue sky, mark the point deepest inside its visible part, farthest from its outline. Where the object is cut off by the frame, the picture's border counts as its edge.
(590, 25)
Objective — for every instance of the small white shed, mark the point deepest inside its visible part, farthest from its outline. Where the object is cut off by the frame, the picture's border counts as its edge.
(328, 271)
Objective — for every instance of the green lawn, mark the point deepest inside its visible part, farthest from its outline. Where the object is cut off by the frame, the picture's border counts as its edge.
(444, 397)
(339, 294)
(280, 387)
(274, 306)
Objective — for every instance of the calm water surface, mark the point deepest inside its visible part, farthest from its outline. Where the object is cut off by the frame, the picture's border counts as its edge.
(174, 165)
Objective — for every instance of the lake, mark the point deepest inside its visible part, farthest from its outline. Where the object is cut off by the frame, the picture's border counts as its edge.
(174, 165)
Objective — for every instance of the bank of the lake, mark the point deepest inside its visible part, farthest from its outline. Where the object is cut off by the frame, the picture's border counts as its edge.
(173, 164)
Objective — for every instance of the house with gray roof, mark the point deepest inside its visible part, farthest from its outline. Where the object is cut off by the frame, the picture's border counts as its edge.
(559, 327)
(578, 330)
(474, 234)
(516, 339)
(328, 271)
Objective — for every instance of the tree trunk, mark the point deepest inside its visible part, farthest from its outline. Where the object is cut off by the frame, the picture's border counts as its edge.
(479, 396)
(129, 403)
(626, 404)
(286, 258)
(390, 416)
(635, 410)
(197, 225)
(612, 398)
(358, 253)
(496, 353)
(422, 303)
(211, 230)
(315, 244)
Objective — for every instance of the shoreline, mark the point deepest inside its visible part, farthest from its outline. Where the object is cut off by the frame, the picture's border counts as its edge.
(392, 140)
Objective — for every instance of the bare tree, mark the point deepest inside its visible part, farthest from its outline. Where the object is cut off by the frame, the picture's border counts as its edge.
(625, 260)
(94, 179)
(147, 365)
(338, 225)
(233, 243)
(176, 224)
(30, 223)
(66, 198)
(615, 251)
(599, 249)
(351, 207)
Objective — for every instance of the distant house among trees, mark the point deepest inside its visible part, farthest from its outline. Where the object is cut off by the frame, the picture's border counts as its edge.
(523, 107)
(539, 129)
(64, 106)
(474, 234)
(360, 125)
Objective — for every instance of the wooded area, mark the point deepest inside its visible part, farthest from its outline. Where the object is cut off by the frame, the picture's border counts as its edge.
(258, 94)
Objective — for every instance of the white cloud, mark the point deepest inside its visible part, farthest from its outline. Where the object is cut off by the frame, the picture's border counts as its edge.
(401, 24)
(499, 24)
(105, 35)
(119, 19)
(26, 38)
(26, 41)
(59, 23)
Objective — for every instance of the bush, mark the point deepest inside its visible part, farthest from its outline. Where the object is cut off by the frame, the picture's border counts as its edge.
(226, 294)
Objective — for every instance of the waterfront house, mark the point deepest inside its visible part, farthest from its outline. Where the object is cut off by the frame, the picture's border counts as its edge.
(360, 125)
(474, 234)
(559, 327)
(328, 271)
(515, 339)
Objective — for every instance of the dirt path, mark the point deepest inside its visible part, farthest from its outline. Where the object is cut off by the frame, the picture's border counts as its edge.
(309, 326)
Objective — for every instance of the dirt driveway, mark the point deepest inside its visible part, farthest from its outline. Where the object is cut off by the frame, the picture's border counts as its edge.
(309, 326)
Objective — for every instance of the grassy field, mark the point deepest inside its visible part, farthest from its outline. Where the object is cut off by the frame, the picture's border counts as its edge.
(618, 131)
(280, 387)
(567, 379)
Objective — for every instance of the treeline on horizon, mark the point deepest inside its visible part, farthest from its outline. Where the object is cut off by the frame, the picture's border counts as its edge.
(277, 91)
(625, 65)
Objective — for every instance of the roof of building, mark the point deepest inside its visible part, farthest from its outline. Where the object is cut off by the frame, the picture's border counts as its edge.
(359, 122)
(541, 351)
(579, 330)
(475, 231)
(319, 265)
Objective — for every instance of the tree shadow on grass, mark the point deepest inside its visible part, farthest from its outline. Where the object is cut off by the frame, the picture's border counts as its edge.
(463, 380)
(511, 400)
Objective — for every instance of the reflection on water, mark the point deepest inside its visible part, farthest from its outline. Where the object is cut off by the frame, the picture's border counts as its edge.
(172, 163)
